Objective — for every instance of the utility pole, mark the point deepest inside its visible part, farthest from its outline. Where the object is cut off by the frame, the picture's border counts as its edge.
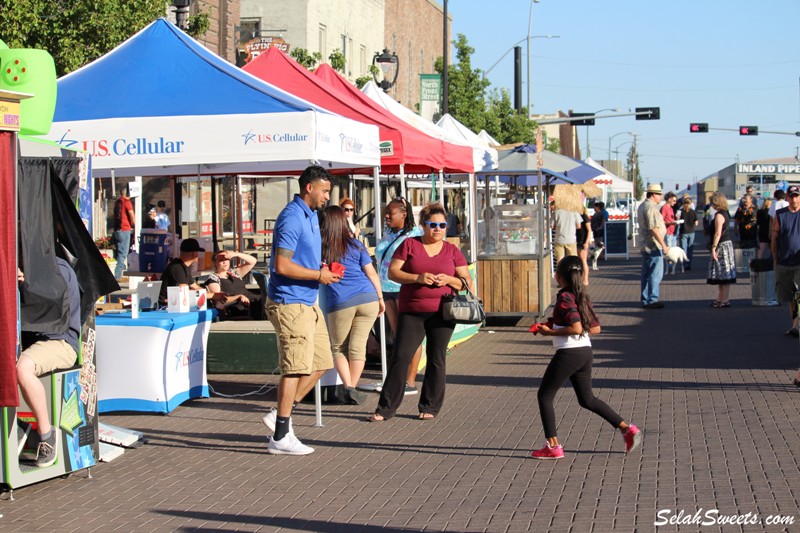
(445, 79)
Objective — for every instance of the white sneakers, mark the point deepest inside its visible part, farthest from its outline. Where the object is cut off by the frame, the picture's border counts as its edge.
(290, 444)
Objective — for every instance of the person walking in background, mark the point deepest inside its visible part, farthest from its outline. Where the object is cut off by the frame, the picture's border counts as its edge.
(785, 246)
(746, 222)
(582, 243)
(399, 226)
(124, 222)
(349, 208)
(653, 230)
(722, 267)
(599, 219)
(566, 224)
(571, 325)
(162, 219)
(763, 222)
(689, 224)
(149, 221)
(352, 305)
(427, 268)
(671, 222)
(296, 271)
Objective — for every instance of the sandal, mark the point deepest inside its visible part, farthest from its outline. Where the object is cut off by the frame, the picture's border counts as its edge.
(722, 304)
(375, 417)
(426, 416)
(715, 303)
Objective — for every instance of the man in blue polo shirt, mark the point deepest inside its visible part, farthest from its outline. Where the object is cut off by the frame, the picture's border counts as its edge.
(296, 270)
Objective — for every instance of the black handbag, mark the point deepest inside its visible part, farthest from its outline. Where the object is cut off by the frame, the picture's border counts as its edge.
(463, 308)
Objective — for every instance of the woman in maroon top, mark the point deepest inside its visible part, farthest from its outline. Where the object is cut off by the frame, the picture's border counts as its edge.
(427, 268)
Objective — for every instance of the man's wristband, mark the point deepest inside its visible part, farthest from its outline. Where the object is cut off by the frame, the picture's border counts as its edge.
(320, 275)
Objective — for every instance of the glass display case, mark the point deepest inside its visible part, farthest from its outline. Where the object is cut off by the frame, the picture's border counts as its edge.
(508, 231)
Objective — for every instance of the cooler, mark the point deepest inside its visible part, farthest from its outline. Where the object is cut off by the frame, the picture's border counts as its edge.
(153, 250)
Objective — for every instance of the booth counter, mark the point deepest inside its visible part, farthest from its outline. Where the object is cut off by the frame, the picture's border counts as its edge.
(152, 363)
(508, 260)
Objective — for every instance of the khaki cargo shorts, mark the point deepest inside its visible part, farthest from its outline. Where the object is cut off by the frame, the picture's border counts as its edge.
(303, 343)
(787, 279)
(51, 355)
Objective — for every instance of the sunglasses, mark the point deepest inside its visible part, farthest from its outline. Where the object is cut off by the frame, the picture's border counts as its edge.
(434, 225)
(349, 209)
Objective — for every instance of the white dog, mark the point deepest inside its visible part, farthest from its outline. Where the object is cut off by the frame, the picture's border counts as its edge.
(676, 256)
(594, 254)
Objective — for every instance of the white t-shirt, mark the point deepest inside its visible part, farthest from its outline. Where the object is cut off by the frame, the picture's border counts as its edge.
(779, 204)
(565, 223)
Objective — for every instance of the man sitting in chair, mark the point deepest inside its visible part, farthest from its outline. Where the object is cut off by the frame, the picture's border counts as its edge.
(48, 352)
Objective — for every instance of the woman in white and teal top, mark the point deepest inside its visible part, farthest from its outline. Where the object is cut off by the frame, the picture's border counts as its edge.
(399, 226)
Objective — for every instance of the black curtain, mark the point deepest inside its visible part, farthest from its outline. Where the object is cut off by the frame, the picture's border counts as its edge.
(47, 217)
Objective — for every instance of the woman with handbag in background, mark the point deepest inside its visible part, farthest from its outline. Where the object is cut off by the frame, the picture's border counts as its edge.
(427, 268)
(399, 226)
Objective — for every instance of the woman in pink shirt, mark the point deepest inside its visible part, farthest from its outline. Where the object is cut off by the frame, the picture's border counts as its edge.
(427, 268)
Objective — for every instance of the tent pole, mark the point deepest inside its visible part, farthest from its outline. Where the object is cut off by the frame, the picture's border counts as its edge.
(239, 222)
(378, 234)
(473, 218)
(403, 190)
(542, 278)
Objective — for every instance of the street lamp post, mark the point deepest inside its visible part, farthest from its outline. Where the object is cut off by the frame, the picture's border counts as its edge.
(386, 61)
(588, 146)
(530, 29)
(181, 12)
(615, 135)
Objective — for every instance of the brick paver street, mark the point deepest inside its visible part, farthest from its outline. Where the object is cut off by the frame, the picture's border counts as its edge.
(711, 389)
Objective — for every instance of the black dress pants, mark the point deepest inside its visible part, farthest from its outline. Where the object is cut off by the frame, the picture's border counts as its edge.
(411, 329)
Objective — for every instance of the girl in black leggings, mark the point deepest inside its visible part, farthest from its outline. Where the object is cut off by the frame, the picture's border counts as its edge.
(572, 322)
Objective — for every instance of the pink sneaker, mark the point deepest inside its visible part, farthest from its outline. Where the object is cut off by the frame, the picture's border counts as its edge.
(633, 438)
(556, 452)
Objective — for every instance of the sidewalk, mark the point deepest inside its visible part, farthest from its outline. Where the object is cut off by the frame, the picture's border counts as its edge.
(711, 388)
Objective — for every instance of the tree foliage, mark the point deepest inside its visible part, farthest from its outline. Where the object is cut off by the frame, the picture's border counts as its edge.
(306, 58)
(471, 103)
(75, 32)
(366, 78)
(337, 60)
(633, 172)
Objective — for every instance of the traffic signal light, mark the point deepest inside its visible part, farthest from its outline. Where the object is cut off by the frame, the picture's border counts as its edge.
(698, 127)
(648, 113)
(748, 130)
(584, 122)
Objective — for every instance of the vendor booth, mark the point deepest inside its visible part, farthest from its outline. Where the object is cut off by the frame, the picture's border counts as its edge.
(49, 187)
(617, 194)
(513, 228)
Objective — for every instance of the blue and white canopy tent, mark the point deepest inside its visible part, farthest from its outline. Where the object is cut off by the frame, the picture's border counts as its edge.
(161, 104)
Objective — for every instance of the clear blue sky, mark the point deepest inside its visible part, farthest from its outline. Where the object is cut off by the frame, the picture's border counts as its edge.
(724, 62)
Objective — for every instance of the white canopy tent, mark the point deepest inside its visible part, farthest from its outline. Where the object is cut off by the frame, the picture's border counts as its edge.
(485, 156)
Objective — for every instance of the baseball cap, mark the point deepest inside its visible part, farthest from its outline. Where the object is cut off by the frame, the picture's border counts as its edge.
(794, 190)
(191, 245)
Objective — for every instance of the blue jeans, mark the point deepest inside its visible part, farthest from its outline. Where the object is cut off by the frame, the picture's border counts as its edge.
(122, 246)
(671, 241)
(652, 272)
(687, 243)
